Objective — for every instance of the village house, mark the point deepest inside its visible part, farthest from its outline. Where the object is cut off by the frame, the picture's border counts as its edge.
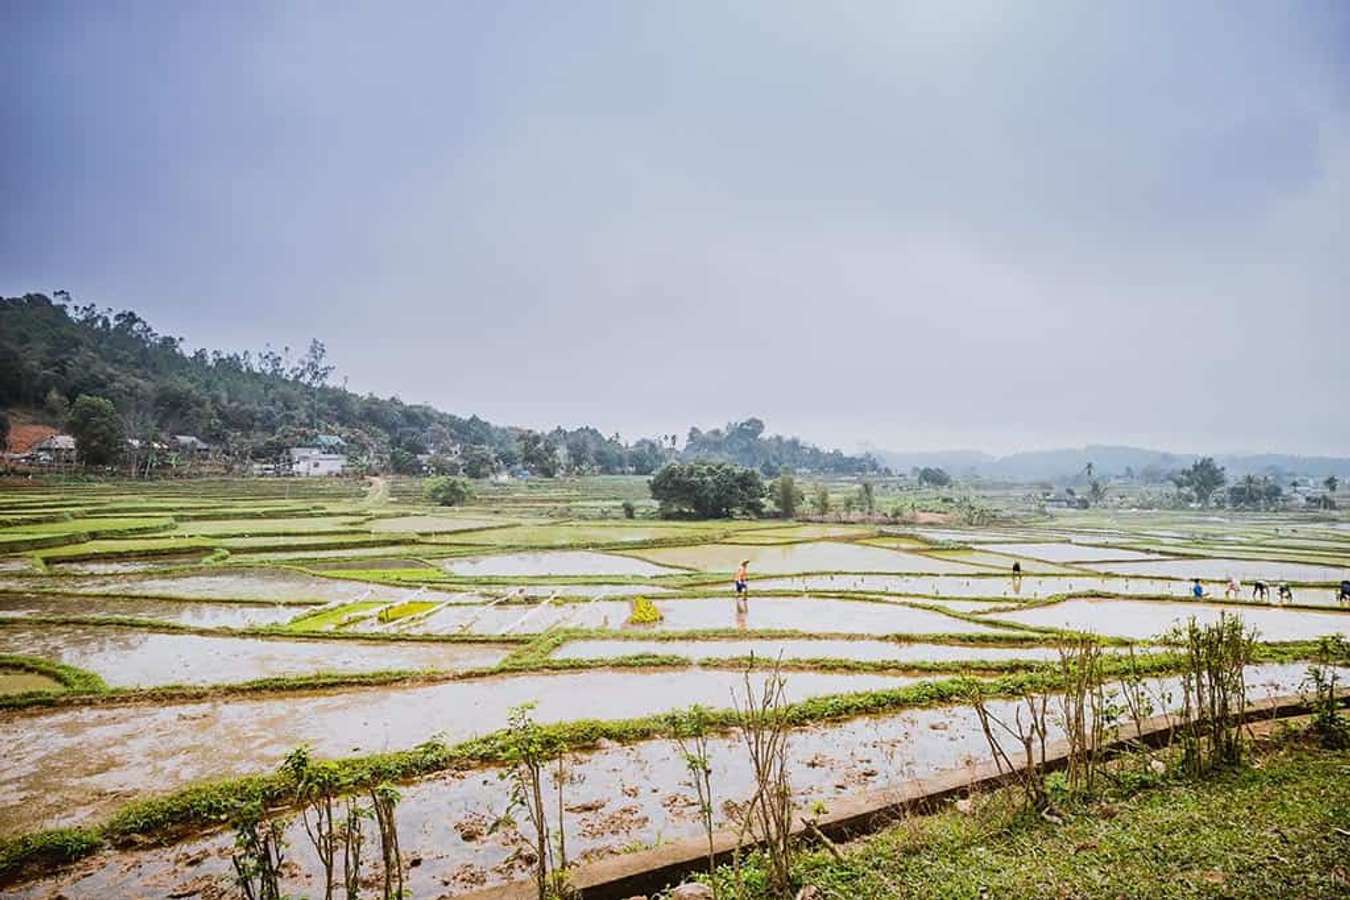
(191, 445)
(314, 461)
(40, 445)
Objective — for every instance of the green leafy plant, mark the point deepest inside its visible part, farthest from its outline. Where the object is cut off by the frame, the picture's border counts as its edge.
(1329, 724)
(259, 852)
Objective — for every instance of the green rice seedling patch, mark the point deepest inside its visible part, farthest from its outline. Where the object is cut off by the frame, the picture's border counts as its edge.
(126, 549)
(588, 534)
(405, 610)
(94, 528)
(288, 526)
(431, 524)
(335, 617)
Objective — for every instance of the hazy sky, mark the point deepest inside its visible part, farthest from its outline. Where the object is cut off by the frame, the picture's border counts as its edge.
(998, 225)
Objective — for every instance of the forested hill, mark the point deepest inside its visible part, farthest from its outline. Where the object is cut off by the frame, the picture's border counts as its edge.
(253, 405)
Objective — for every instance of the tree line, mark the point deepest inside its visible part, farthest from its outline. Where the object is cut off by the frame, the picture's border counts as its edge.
(140, 384)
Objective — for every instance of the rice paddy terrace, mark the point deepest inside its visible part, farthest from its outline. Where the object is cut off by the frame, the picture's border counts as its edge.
(163, 647)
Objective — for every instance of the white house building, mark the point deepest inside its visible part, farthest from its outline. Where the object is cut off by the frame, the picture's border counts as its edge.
(313, 461)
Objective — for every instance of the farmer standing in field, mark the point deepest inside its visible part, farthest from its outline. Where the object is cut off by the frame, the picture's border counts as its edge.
(742, 583)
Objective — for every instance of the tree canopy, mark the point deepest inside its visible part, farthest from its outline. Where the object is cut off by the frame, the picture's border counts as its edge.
(97, 430)
(1201, 479)
(708, 490)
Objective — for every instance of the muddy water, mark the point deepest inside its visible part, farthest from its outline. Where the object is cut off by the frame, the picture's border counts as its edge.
(1144, 619)
(553, 562)
(1071, 553)
(1223, 569)
(816, 614)
(18, 681)
(251, 584)
(701, 613)
(185, 612)
(132, 657)
(1029, 587)
(616, 797)
(870, 651)
(118, 566)
(521, 618)
(67, 765)
(824, 556)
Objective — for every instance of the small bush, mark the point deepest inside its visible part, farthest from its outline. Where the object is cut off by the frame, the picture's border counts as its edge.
(446, 491)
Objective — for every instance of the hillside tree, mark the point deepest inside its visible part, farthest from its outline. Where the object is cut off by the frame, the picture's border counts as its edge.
(97, 429)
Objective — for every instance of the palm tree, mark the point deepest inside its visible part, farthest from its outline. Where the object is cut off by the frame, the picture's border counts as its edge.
(1331, 483)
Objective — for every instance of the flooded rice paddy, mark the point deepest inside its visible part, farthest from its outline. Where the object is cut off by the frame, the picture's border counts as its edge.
(256, 584)
(78, 763)
(135, 657)
(200, 614)
(553, 562)
(821, 556)
(1146, 619)
(862, 650)
(998, 587)
(1223, 569)
(1072, 553)
(67, 765)
(617, 797)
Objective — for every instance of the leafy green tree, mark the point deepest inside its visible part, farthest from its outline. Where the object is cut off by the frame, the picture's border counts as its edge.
(645, 457)
(867, 497)
(539, 454)
(1096, 492)
(404, 461)
(97, 430)
(786, 496)
(708, 490)
(1201, 479)
(820, 499)
(446, 491)
(478, 461)
(1331, 483)
(932, 476)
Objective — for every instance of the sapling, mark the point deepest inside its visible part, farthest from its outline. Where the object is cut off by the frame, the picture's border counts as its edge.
(353, 840)
(762, 722)
(384, 798)
(259, 850)
(316, 790)
(527, 752)
(691, 736)
(1328, 723)
(1029, 729)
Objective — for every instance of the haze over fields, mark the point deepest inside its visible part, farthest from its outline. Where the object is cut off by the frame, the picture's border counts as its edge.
(920, 226)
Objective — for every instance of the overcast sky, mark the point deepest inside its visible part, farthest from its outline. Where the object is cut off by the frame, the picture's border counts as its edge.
(951, 224)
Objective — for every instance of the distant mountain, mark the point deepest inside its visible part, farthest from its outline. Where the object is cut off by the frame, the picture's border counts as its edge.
(1069, 463)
